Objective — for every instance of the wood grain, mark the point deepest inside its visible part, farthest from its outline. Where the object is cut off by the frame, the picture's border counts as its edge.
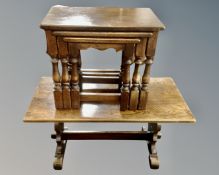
(104, 34)
(52, 49)
(72, 29)
(165, 105)
(101, 40)
(101, 19)
(127, 57)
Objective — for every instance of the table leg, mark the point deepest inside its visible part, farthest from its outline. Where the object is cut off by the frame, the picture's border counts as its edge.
(150, 52)
(75, 59)
(57, 84)
(145, 82)
(65, 84)
(52, 51)
(61, 145)
(127, 59)
(153, 157)
(134, 94)
(140, 58)
(150, 135)
(63, 56)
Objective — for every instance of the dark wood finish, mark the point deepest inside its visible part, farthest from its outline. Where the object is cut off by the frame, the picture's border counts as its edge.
(63, 135)
(105, 74)
(100, 79)
(101, 70)
(105, 135)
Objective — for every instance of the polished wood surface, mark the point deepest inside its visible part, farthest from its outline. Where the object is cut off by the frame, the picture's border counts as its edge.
(104, 34)
(165, 104)
(134, 31)
(101, 19)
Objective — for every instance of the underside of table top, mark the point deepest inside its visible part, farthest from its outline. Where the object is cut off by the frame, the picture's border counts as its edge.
(101, 19)
(165, 105)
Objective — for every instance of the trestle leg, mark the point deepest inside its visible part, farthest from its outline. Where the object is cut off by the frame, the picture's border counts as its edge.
(61, 145)
(153, 157)
(151, 135)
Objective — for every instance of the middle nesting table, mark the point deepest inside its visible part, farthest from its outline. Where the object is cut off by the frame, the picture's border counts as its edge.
(66, 36)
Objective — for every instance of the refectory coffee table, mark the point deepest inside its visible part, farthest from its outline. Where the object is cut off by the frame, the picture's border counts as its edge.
(165, 105)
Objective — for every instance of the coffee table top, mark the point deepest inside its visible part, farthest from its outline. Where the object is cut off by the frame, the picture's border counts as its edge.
(101, 19)
(165, 105)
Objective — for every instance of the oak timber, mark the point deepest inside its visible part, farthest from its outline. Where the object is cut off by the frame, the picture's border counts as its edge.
(165, 104)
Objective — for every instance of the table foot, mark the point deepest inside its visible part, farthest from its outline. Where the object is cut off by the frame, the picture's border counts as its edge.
(59, 156)
(153, 157)
(60, 148)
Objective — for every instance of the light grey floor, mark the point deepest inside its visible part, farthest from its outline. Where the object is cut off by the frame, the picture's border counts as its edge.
(187, 50)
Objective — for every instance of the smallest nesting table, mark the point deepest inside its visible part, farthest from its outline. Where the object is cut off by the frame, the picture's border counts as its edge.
(134, 31)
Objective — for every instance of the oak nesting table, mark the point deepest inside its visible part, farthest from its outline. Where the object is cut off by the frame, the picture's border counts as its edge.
(134, 31)
(93, 95)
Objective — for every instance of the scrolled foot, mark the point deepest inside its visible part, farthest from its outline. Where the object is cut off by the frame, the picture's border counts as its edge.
(154, 161)
(153, 157)
(57, 164)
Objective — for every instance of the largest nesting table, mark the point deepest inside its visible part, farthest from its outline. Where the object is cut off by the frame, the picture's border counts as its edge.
(134, 31)
(60, 98)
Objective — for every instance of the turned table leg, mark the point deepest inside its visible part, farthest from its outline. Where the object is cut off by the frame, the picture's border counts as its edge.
(63, 55)
(57, 84)
(52, 51)
(149, 52)
(139, 58)
(134, 94)
(145, 82)
(127, 59)
(65, 84)
(75, 60)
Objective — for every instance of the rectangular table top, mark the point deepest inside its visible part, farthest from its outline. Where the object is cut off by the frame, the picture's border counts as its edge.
(165, 105)
(101, 19)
